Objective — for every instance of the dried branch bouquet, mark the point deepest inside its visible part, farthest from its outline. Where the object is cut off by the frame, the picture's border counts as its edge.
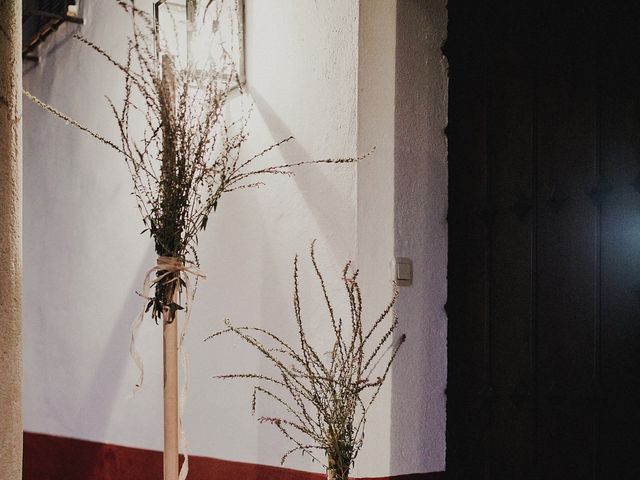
(183, 148)
(188, 153)
(324, 398)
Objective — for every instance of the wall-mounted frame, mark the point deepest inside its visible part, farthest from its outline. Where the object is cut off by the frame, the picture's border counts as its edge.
(196, 32)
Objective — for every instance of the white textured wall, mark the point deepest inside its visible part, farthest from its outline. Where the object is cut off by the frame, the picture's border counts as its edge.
(322, 71)
(85, 257)
(420, 225)
(401, 211)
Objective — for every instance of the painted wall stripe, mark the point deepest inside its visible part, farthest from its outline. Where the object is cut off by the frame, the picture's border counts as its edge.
(48, 457)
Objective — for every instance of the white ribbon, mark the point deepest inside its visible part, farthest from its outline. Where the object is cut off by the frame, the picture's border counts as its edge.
(168, 265)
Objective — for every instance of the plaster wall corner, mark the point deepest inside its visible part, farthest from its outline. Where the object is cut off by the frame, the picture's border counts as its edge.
(10, 239)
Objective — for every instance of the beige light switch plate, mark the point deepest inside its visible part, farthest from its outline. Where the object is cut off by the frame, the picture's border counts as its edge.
(403, 271)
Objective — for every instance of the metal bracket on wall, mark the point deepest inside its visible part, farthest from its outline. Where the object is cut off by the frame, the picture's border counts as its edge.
(50, 24)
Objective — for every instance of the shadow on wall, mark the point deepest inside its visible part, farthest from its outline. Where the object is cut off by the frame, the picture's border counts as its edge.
(274, 318)
(101, 396)
(97, 405)
(323, 199)
(58, 40)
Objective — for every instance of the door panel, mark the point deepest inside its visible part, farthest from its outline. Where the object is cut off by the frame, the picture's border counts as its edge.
(511, 189)
(544, 269)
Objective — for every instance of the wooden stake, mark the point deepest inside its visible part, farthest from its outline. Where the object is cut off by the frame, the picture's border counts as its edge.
(171, 414)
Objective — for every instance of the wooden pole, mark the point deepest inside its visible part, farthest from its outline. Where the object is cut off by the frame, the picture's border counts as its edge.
(170, 327)
(10, 239)
(171, 414)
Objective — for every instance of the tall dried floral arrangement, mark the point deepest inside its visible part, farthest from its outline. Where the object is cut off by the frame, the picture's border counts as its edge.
(325, 398)
(187, 155)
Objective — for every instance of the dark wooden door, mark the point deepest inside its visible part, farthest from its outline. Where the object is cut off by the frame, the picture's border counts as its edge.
(544, 248)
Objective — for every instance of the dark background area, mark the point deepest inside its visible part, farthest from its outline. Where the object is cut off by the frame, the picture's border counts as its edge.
(544, 240)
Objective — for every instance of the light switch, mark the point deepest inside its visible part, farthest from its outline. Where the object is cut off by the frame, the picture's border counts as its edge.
(403, 271)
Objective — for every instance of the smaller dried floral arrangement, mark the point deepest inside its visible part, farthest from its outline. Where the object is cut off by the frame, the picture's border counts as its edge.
(324, 398)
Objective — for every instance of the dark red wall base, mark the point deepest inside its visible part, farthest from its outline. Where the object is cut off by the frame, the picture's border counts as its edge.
(48, 457)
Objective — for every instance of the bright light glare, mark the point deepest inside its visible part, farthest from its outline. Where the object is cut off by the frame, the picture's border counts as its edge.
(206, 38)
